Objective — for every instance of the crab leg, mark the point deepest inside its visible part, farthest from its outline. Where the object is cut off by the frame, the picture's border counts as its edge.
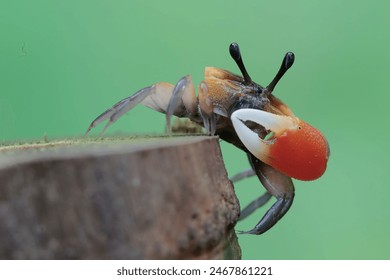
(207, 109)
(183, 97)
(258, 202)
(179, 100)
(242, 175)
(278, 185)
(121, 108)
(254, 205)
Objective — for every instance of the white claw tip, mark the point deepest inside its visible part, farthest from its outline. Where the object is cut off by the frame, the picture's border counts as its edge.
(251, 140)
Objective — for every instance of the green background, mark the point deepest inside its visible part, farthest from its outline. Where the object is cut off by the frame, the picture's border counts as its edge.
(63, 62)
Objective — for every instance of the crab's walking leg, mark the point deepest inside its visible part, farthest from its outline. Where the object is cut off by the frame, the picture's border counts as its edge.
(207, 109)
(254, 205)
(179, 100)
(121, 107)
(281, 187)
(242, 175)
(182, 101)
(258, 202)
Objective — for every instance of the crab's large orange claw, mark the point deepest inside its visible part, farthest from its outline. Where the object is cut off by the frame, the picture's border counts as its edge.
(295, 148)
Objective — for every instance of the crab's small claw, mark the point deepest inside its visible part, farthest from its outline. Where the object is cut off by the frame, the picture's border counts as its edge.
(295, 148)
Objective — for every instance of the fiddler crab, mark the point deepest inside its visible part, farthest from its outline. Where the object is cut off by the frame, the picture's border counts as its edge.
(279, 145)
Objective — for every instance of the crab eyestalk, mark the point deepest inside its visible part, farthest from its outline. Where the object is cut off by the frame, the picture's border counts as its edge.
(234, 50)
(296, 149)
(287, 62)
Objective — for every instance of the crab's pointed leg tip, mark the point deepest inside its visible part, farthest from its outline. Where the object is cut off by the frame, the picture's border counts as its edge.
(88, 130)
(252, 231)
